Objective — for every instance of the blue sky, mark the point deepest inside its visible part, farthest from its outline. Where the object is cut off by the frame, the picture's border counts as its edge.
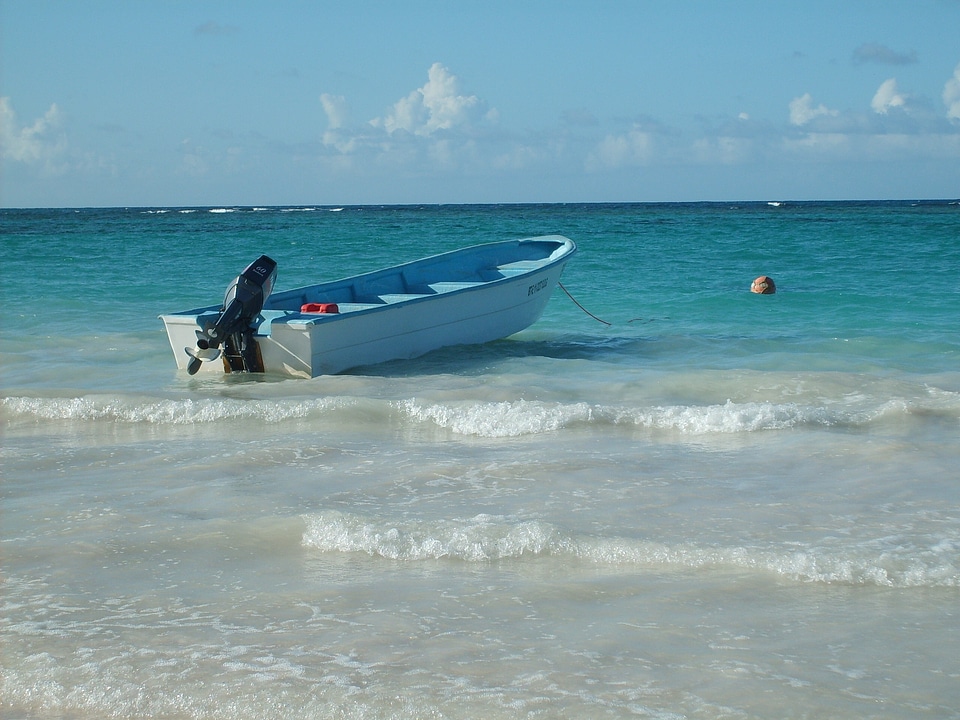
(169, 103)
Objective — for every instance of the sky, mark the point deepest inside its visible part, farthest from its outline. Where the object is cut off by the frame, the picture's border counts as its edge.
(156, 103)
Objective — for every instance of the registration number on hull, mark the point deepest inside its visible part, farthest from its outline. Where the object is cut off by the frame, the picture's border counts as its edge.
(534, 289)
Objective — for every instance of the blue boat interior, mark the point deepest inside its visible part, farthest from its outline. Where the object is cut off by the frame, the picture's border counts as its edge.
(445, 273)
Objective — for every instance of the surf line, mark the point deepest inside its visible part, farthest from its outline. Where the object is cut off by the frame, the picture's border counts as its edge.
(608, 324)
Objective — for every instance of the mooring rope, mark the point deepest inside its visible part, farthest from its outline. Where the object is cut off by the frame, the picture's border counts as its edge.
(645, 320)
(581, 306)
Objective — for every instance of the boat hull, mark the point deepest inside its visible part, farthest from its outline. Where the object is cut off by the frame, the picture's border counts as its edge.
(470, 296)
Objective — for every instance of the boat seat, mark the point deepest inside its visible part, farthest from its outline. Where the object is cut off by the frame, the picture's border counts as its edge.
(400, 297)
(445, 287)
(349, 307)
(293, 317)
(518, 267)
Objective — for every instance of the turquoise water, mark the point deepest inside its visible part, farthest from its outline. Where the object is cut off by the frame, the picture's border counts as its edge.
(697, 502)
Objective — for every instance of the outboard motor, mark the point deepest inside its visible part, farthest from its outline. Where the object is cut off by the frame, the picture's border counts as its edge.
(233, 328)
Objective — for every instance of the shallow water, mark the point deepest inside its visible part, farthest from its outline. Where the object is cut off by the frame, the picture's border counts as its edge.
(721, 505)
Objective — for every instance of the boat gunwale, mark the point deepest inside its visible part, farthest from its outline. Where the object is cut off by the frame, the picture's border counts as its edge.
(566, 249)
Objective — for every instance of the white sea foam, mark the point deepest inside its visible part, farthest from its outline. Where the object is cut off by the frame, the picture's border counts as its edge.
(883, 562)
(167, 411)
(522, 417)
(503, 419)
(477, 539)
(471, 417)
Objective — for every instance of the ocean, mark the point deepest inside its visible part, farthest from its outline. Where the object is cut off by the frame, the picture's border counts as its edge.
(671, 498)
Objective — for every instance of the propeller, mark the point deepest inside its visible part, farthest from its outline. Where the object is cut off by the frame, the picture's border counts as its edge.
(200, 354)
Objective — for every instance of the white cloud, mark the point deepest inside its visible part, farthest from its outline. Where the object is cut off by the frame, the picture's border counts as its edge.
(725, 150)
(435, 126)
(408, 114)
(338, 116)
(892, 147)
(802, 110)
(38, 144)
(951, 95)
(632, 148)
(888, 96)
(818, 146)
(335, 107)
(438, 105)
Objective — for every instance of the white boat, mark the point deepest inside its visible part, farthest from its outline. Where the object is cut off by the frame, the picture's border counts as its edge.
(467, 296)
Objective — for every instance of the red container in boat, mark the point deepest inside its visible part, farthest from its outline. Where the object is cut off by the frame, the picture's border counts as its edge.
(319, 308)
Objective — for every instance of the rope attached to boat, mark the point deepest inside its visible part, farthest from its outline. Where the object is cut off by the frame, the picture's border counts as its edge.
(581, 306)
(591, 314)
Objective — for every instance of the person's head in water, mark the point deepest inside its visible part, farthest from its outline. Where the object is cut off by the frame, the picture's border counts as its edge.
(763, 285)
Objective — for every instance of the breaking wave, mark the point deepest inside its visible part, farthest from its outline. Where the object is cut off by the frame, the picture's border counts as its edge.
(166, 411)
(887, 562)
(521, 417)
(471, 417)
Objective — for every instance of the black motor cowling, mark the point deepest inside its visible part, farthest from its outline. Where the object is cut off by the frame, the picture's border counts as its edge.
(244, 298)
(232, 329)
